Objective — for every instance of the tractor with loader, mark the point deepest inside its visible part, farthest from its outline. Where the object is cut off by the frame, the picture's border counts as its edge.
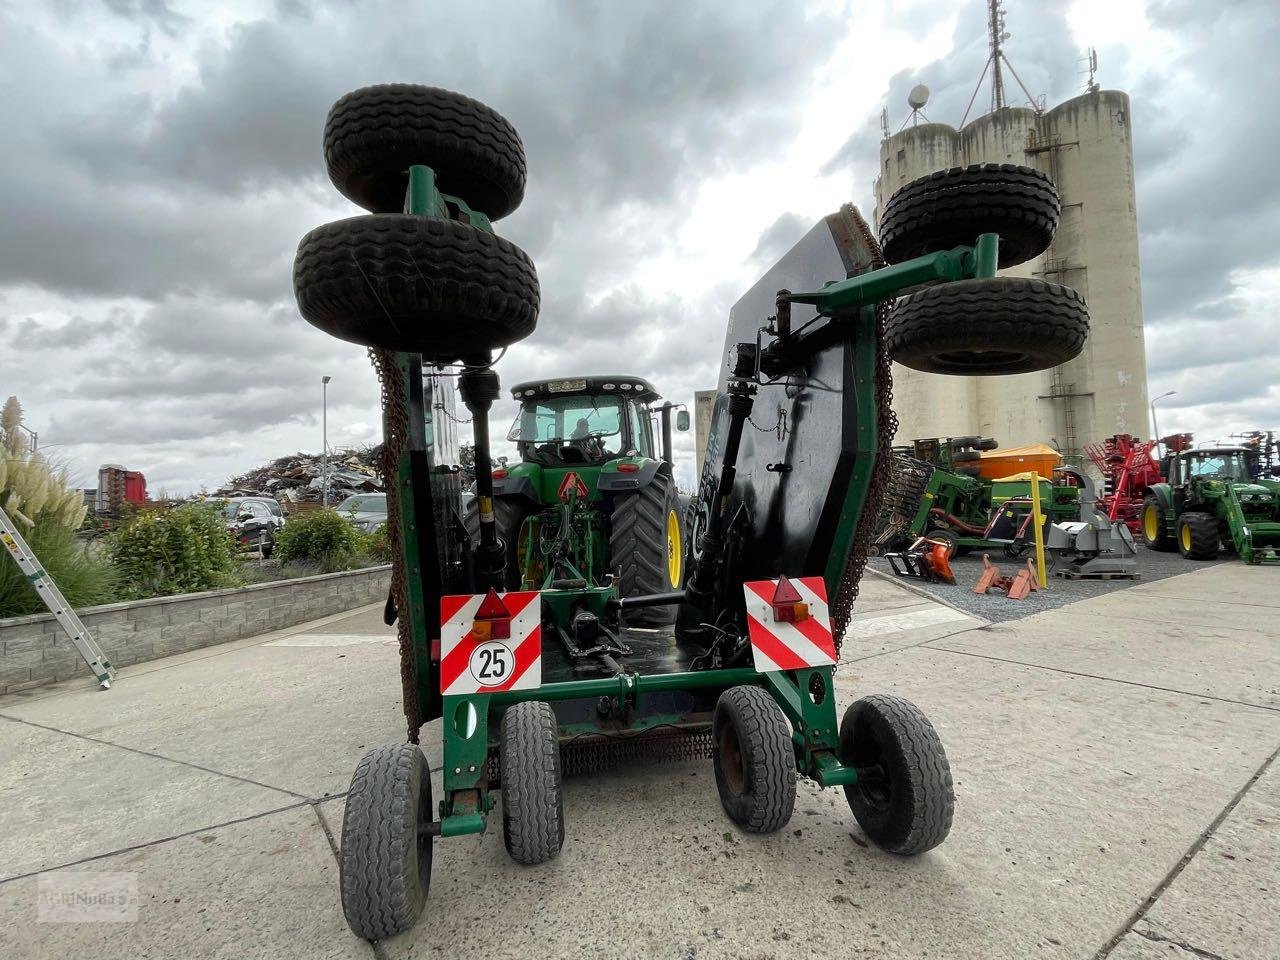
(525, 682)
(1207, 498)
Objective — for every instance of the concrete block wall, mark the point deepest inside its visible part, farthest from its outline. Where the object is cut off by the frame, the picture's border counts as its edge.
(34, 650)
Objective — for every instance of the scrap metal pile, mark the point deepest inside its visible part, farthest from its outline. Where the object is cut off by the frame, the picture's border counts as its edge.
(300, 478)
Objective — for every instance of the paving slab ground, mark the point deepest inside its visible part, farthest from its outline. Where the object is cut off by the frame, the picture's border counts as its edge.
(1117, 797)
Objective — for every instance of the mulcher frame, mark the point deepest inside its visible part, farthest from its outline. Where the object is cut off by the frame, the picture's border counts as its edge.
(806, 697)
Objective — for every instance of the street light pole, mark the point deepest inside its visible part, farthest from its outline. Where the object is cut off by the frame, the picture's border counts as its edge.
(1154, 426)
(324, 456)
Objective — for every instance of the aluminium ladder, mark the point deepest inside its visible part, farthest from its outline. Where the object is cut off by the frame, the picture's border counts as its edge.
(48, 591)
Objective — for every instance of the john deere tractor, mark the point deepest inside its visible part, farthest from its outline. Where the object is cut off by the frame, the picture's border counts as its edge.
(1207, 497)
(593, 496)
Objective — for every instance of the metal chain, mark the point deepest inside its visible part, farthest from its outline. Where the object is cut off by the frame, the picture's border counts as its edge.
(779, 429)
(395, 434)
(886, 427)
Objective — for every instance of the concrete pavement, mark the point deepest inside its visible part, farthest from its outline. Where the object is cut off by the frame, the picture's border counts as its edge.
(1117, 797)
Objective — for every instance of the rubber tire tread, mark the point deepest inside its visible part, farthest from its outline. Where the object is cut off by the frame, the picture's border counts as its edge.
(508, 515)
(1163, 542)
(532, 798)
(441, 288)
(378, 866)
(965, 456)
(1205, 539)
(373, 135)
(920, 816)
(987, 443)
(638, 547)
(950, 208)
(768, 759)
(1046, 322)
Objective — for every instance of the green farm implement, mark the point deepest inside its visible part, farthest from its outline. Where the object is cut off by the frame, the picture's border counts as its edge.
(519, 676)
(1207, 498)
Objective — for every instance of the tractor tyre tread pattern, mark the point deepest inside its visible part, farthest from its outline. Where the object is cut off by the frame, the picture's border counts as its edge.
(532, 794)
(374, 134)
(418, 284)
(1205, 538)
(931, 794)
(381, 896)
(1163, 542)
(507, 517)
(949, 208)
(768, 759)
(638, 547)
(1047, 320)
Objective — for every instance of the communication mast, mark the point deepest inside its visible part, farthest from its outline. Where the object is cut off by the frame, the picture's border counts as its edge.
(997, 35)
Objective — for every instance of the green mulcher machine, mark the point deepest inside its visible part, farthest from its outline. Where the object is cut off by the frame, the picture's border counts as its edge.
(795, 465)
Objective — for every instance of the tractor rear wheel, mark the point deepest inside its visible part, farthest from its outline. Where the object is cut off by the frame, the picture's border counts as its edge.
(373, 135)
(988, 327)
(1154, 531)
(646, 547)
(385, 868)
(508, 515)
(950, 208)
(1198, 537)
(903, 799)
(440, 288)
(532, 798)
(754, 760)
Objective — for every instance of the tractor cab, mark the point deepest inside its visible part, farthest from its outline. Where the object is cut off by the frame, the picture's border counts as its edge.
(1217, 463)
(586, 421)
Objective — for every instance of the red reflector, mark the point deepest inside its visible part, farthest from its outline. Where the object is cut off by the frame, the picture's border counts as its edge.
(786, 603)
(435, 650)
(498, 474)
(628, 468)
(493, 620)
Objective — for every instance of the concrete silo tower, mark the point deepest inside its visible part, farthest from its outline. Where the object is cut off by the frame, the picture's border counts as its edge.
(1085, 146)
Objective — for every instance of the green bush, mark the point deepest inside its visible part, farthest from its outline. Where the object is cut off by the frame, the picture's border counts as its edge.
(83, 578)
(376, 546)
(323, 539)
(159, 553)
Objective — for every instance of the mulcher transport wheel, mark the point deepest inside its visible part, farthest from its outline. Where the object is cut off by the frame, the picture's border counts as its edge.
(385, 868)
(966, 456)
(1198, 537)
(415, 284)
(373, 135)
(532, 800)
(1154, 532)
(646, 547)
(986, 327)
(508, 516)
(904, 801)
(754, 760)
(951, 208)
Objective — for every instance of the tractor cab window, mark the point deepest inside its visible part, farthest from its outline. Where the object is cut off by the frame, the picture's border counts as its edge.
(641, 441)
(592, 426)
(1218, 466)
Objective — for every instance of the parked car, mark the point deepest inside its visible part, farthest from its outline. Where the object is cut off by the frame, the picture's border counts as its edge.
(254, 521)
(368, 511)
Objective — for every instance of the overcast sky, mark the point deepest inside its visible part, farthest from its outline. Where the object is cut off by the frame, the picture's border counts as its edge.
(161, 162)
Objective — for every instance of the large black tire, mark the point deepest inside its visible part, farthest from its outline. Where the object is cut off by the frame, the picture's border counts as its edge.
(755, 763)
(416, 284)
(1198, 537)
(987, 443)
(950, 208)
(373, 135)
(508, 515)
(646, 547)
(532, 799)
(1154, 529)
(385, 866)
(906, 802)
(986, 327)
(965, 456)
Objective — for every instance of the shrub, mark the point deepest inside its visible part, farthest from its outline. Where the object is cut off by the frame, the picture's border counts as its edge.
(376, 546)
(83, 578)
(164, 552)
(321, 538)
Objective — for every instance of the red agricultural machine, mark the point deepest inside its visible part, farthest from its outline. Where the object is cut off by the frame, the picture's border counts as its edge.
(1128, 468)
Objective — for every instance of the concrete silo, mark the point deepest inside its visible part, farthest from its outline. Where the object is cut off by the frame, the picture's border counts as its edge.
(1085, 145)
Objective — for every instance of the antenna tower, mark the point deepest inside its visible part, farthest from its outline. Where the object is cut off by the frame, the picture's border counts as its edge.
(997, 35)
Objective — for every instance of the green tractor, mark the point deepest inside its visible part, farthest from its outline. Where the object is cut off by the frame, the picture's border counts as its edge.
(593, 496)
(1207, 497)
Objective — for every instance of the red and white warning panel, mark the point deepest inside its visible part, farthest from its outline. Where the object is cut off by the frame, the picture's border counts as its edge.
(490, 642)
(789, 623)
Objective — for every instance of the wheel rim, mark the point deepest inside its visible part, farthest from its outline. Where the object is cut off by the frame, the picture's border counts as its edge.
(1150, 523)
(673, 548)
(874, 786)
(735, 777)
(1186, 536)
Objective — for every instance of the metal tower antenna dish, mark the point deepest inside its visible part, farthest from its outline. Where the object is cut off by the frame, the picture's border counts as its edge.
(918, 96)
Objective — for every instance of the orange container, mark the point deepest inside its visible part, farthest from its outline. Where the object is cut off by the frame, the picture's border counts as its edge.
(1037, 458)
